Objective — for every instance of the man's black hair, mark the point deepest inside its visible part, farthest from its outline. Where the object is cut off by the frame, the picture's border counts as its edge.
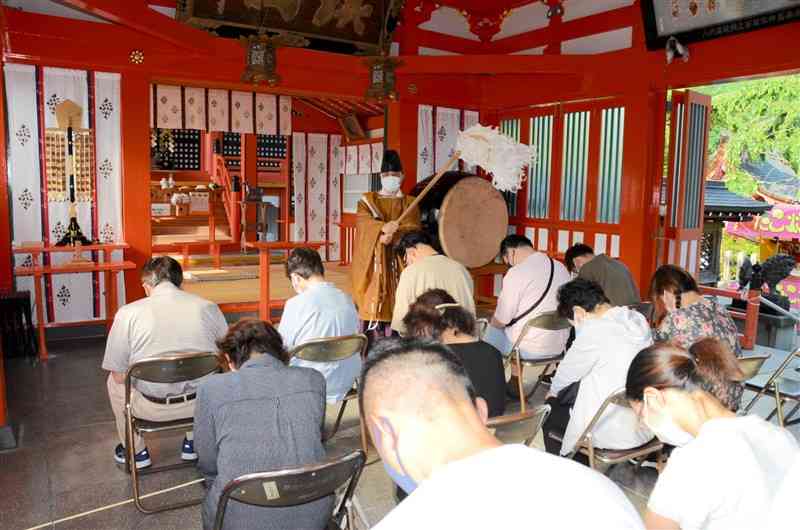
(162, 268)
(305, 262)
(512, 242)
(412, 239)
(579, 293)
(576, 251)
(391, 162)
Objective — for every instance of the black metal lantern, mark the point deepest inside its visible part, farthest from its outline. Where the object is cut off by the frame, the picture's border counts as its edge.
(382, 78)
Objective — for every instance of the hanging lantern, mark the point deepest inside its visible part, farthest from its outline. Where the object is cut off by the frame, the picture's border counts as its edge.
(382, 79)
(261, 59)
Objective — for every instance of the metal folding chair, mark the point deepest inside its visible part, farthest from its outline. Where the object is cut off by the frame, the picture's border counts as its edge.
(773, 384)
(335, 349)
(751, 365)
(295, 486)
(174, 368)
(550, 321)
(586, 445)
(519, 428)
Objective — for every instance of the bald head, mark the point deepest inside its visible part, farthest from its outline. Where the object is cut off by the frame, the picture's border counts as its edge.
(415, 377)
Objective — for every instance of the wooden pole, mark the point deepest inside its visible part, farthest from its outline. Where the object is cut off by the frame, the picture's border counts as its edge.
(431, 184)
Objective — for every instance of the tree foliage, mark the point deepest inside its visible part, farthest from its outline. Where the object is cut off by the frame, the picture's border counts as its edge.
(760, 118)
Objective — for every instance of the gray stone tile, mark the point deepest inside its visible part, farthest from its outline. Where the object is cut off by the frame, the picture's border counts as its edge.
(26, 498)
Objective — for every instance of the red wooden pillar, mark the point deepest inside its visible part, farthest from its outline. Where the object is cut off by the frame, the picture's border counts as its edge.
(6, 258)
(249, 165)
(401, 135)
(135, 116)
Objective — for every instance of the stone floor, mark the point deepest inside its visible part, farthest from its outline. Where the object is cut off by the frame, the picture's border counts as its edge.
(63, 466)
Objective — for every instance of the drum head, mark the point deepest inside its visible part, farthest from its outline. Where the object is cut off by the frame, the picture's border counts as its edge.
(473, 221)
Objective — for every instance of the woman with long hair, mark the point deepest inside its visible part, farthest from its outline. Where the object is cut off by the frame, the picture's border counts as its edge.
(723, 471)
(684, 316)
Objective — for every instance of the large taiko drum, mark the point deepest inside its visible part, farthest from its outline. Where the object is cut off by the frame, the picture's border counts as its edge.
(473, 220)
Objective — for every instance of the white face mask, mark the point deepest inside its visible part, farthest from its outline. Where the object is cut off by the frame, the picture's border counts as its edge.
(391, 184)
(665, 428)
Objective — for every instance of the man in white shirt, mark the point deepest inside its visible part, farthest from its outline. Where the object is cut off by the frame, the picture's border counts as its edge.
(430, 432)
(606, 341)
(428, 269)
(532, 280)
(168, 320)
(318, 311)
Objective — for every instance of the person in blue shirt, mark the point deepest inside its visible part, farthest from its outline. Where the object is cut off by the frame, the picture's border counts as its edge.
(318, 311)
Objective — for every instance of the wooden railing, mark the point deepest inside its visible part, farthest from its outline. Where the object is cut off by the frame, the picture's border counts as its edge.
(230, 198)
(750, 317)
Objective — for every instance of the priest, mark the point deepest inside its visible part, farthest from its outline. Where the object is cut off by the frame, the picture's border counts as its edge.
(376, 267)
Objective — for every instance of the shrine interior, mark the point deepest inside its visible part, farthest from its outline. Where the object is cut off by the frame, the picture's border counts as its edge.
(225, 135)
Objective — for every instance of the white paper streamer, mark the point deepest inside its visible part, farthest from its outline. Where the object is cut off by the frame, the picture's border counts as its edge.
(285, 121)
(335, 170)
(448, 124)
(299, 175)
(317, 187)
(169, 106)
(218, 110)
(194, 105)
(497, 154)
(242, 112)
(266, 114)
(425, 167)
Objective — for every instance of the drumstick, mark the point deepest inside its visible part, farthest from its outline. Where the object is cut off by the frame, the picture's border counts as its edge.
(431, 184)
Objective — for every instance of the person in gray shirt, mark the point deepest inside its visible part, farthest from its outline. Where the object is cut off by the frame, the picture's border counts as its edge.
(261, 416)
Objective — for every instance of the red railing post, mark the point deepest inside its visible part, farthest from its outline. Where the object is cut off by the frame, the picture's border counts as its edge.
(751, 319)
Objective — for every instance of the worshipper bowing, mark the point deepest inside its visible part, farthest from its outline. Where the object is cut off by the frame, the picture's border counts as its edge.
(168, 320)
(466, 477)
(261, 416)
(427, 269)
(684, 316)
(611, 274)
(606, 341)
(319, 310)
(529, 288)
(376, 267)
(724, 470)
(436, 315)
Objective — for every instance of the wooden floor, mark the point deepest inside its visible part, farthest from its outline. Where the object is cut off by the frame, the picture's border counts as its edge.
(223, 290)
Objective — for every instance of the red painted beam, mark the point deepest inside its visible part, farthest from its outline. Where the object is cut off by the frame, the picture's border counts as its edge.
(581, 27)
(137, 16)
(440, 41)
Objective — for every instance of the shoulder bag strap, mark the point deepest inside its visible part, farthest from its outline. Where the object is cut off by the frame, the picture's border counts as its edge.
(541, 298)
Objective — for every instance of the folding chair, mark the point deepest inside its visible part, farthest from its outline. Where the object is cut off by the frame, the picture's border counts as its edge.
(174, 368)
(585, 443)
(335, 349)
(773, 384)
(295, 486)
(519, 428)
(549, 321)
(751, 365)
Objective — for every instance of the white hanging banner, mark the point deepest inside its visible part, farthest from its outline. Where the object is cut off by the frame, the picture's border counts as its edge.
(364, 159)
(169, 107)
(471, 117)
(194, 106)
(377, 157)
(73, 295)
(336, 169)
(299, 176)
(242, 112)
(351, 163)
(218, 110)
(424, 142)
(317, 187)
(266, 114)
(285, 118)
(108, 149)
(24, 176)
(448, 124)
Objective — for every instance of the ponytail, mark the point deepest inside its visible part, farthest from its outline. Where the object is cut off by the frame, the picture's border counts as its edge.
(664, 366)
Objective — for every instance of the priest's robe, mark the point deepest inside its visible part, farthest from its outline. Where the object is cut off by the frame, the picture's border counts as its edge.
(376, 268)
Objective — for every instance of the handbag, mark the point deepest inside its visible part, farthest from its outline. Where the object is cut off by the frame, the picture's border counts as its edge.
(541, 298)
(569, 394)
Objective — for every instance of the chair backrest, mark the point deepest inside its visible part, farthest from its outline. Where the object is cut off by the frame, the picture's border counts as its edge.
(547, 320)
(331, 349)
(521, 427)
(751, 365)
(617, 398)
(294, 486)
(175, 367)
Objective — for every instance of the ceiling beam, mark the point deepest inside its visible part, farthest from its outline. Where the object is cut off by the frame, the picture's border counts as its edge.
(137, 16)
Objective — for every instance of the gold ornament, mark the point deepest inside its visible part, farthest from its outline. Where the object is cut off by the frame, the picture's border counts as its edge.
(136, 57)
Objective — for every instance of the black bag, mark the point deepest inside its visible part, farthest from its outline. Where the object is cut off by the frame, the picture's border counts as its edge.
(569, 394)
(541, 298)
